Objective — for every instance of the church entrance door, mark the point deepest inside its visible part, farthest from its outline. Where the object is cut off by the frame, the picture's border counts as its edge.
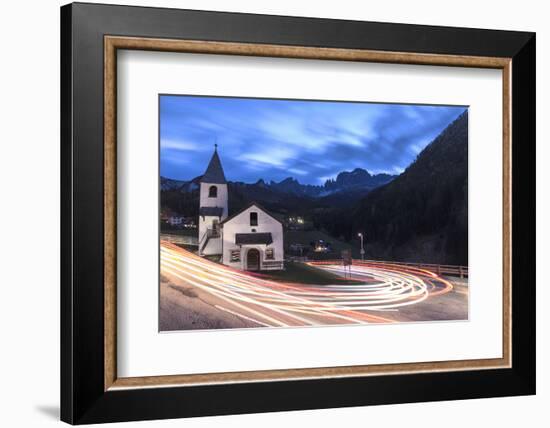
(253, 259)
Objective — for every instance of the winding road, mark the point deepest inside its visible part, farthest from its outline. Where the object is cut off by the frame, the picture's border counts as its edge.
(383, 289)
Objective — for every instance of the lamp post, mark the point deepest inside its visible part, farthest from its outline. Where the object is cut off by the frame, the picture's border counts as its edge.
(360, 235)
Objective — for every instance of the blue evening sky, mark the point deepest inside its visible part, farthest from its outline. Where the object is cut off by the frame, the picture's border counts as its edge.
(308, 140)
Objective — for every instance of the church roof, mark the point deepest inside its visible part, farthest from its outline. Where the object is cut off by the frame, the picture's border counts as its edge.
(214, 173)
(253, 238)
(211, 211)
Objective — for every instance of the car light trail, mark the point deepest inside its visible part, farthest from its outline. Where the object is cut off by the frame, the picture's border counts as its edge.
(266, 302)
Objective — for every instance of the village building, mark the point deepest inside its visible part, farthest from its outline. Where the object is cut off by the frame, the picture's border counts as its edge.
(251, 239)
(167, 216)
(176, 220)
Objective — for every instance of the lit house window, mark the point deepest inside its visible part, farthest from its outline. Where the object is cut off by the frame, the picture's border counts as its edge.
(269, 254)
(234, 256)
(253, 219)
(213, 192)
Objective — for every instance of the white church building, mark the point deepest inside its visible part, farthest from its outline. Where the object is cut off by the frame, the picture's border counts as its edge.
(251, 239)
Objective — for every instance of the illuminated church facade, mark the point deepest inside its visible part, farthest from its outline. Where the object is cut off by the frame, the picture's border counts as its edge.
(251, 239)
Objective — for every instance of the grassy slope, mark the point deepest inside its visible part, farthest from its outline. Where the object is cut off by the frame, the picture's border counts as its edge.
(304, 237)
(301, 273)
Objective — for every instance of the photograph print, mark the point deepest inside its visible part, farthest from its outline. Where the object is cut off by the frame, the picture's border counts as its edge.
(302, 213)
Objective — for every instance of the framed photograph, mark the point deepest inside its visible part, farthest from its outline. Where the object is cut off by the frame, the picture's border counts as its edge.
(264, 213)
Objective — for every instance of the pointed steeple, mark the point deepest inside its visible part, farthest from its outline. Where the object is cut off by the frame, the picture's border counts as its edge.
(214, 173)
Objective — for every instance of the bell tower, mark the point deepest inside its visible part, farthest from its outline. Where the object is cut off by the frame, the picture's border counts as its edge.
(213, 206)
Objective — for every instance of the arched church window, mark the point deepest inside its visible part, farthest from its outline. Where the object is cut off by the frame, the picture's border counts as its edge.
(213, 192)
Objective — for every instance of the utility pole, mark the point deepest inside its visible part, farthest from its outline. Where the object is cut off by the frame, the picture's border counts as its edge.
(360, 235)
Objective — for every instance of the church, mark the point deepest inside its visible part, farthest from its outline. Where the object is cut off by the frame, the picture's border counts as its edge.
(251, 239)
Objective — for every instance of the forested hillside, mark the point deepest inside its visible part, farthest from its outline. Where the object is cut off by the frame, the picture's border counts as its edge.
(422, 215)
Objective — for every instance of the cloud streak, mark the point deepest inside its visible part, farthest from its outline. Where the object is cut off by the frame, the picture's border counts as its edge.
(309, 140)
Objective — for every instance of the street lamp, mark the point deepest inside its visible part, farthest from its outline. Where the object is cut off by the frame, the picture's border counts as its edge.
(360, 235)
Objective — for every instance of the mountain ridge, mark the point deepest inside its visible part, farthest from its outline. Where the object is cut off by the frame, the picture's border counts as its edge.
(357, 179)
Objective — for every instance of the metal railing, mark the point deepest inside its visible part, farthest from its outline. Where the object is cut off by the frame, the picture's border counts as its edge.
(453, 270)
(450, 270)
(180, 239)
(212, 233)
(272, 264)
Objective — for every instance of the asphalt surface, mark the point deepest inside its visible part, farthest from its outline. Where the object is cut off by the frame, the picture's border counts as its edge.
(199, 294)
